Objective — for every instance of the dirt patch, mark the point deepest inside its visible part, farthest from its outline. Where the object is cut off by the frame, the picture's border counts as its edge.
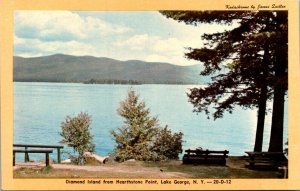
(235, 168)
(119, 169)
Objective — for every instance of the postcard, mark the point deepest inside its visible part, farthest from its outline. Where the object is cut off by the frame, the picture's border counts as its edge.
(148, 95)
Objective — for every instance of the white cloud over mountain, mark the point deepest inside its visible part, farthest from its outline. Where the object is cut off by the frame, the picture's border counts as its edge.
(146, 36)
(61, 26)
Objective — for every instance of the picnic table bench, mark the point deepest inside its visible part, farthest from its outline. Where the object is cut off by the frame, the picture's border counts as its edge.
(199, 156)
(26, 150)
(266, 160)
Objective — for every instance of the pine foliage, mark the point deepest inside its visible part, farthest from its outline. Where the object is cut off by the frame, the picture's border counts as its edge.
(242, 59)
(142, 138)
(249, 64)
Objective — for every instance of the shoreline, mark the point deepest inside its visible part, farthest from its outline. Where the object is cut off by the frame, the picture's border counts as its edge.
(184, 84)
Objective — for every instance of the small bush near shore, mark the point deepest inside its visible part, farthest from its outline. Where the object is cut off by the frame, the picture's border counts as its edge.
(76, 134)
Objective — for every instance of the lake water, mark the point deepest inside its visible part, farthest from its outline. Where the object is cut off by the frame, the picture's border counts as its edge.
(39, 109)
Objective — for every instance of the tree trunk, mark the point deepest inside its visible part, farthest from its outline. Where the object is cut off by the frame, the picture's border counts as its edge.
(262, 103)
(276, 138)
(261, 119)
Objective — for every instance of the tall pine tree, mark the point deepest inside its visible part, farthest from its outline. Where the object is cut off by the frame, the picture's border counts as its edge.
(141, 137)
(256, 55)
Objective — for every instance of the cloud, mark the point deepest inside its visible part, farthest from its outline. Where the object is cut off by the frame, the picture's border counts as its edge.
(137, 42)
(39, 33)
(158, 57)
(155, 48)
(36, 47)
(98, 26)
(171, 46)
(61, 26)
(48, 25)
(147, 36)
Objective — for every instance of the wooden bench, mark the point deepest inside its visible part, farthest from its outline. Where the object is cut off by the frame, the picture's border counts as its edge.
(26, 146)
(205, 157)
(47, 152)
(266, 160)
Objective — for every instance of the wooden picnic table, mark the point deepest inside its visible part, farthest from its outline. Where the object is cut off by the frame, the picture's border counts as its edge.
(266, 160)
(198, 156)
(47, 152)
(26, 146)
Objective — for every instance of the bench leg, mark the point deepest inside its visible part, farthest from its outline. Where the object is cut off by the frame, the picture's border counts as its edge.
(251, 164)
(26, 156)
(14, 158)
(58, 155)
(223, 161)
(47, 159)
(205, 159)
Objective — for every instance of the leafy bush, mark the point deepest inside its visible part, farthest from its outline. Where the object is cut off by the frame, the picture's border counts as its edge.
(167, 144)
(76, 134)
(141, 136)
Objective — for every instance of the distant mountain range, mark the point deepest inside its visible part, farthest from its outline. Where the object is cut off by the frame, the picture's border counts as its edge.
(89, 69)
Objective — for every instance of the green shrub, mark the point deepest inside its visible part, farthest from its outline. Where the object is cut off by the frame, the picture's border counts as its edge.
(167, 144)
(141, 136)
(76, 134)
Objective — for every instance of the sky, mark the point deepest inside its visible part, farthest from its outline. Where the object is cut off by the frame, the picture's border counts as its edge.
(121, 35)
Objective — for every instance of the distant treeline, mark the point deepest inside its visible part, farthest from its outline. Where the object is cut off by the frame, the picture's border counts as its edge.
(112, 81)
(47, 80)
(102, 81)
(131, 82)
